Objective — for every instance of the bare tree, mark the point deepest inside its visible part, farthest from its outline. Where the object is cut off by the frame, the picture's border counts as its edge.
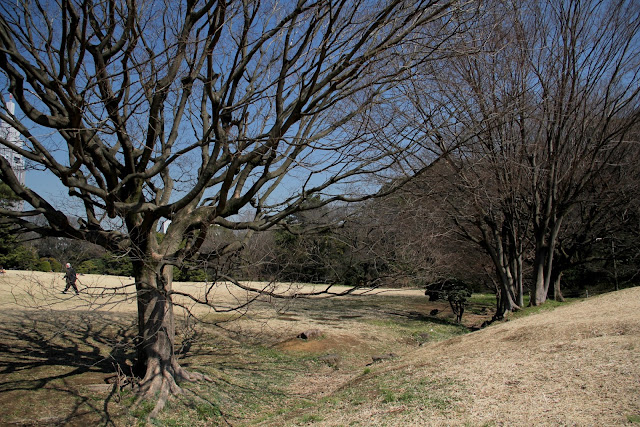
(544, 107)
(477, 111)
(584, 62)
(198, 111)
(600, 228)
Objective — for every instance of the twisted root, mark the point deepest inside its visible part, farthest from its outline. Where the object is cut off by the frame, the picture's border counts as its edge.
(162, 381)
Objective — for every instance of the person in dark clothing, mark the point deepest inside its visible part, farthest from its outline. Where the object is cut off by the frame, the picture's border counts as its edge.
(71, 278)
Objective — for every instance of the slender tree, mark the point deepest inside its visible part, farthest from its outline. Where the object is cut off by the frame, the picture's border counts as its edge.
(200, 112)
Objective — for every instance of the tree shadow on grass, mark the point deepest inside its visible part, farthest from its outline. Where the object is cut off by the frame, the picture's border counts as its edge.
(49, 360)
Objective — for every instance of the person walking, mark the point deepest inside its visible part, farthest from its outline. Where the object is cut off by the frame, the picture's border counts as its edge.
(71, 278)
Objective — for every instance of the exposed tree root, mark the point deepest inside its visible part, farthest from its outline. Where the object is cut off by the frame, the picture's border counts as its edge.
(161, 382)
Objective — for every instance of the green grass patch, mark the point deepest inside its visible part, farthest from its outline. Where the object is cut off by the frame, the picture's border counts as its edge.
(142, 410)
(189, 411)
(425, 392)
(635, 419)
(487, 300)
(389, 396)
(548, 305)
(310, 419)
(437, 331)
(271, 354)
(207, 411)
(393, 388)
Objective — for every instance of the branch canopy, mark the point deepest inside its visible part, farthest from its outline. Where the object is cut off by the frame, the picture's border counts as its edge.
(194, 111)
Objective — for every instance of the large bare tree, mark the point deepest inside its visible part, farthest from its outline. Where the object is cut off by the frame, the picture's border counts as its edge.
(210, 112)
(584, 62)
(543, 109)
(475, 107)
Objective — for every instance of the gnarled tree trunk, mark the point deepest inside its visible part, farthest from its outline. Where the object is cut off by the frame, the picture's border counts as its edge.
(156, 361)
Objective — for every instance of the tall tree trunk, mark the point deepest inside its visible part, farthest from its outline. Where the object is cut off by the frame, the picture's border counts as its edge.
(539, 294)
(506, 302)
(519, 281)
(543, 263)
(506, 295)
(156, 360)
(557, 292)
(506, 291)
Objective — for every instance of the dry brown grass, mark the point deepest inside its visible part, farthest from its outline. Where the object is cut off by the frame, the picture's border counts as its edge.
(576, 365)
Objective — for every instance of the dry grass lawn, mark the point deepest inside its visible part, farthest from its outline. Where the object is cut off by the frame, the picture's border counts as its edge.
(578, 364)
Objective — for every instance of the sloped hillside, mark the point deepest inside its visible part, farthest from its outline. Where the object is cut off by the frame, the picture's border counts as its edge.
(576, 365)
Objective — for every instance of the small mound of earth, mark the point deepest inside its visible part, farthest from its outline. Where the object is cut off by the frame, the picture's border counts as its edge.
(328, 343)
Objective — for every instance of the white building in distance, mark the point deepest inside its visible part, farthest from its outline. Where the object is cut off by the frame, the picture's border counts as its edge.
(11, 135)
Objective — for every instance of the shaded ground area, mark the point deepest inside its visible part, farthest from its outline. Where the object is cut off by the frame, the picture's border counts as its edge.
(61, 353)
(52, 363)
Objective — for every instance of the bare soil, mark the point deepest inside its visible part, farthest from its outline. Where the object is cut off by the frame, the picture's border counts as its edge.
(578, 364)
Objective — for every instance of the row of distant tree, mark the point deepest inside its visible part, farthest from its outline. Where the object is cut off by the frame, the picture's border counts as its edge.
(409, 239)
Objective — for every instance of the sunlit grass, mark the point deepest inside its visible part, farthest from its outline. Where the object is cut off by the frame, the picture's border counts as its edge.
(548, 305)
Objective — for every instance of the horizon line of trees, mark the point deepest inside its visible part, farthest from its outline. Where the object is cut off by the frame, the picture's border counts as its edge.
(376, 247)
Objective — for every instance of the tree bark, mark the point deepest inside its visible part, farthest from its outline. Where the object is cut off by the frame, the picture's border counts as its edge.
(543, 263)
(557, 292)
(156, 361)
(539, 295)
(494, 245)
(506, 297)
(519, 282)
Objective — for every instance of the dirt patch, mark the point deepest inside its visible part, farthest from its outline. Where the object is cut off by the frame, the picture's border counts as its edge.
(326, 344)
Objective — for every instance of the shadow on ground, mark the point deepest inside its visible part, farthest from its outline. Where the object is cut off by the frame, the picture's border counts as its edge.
(53, 363)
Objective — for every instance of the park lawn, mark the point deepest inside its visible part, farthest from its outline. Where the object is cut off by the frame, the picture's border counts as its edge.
(61, 354)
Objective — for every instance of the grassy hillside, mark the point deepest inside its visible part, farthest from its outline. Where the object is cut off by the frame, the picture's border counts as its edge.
(578, 364)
